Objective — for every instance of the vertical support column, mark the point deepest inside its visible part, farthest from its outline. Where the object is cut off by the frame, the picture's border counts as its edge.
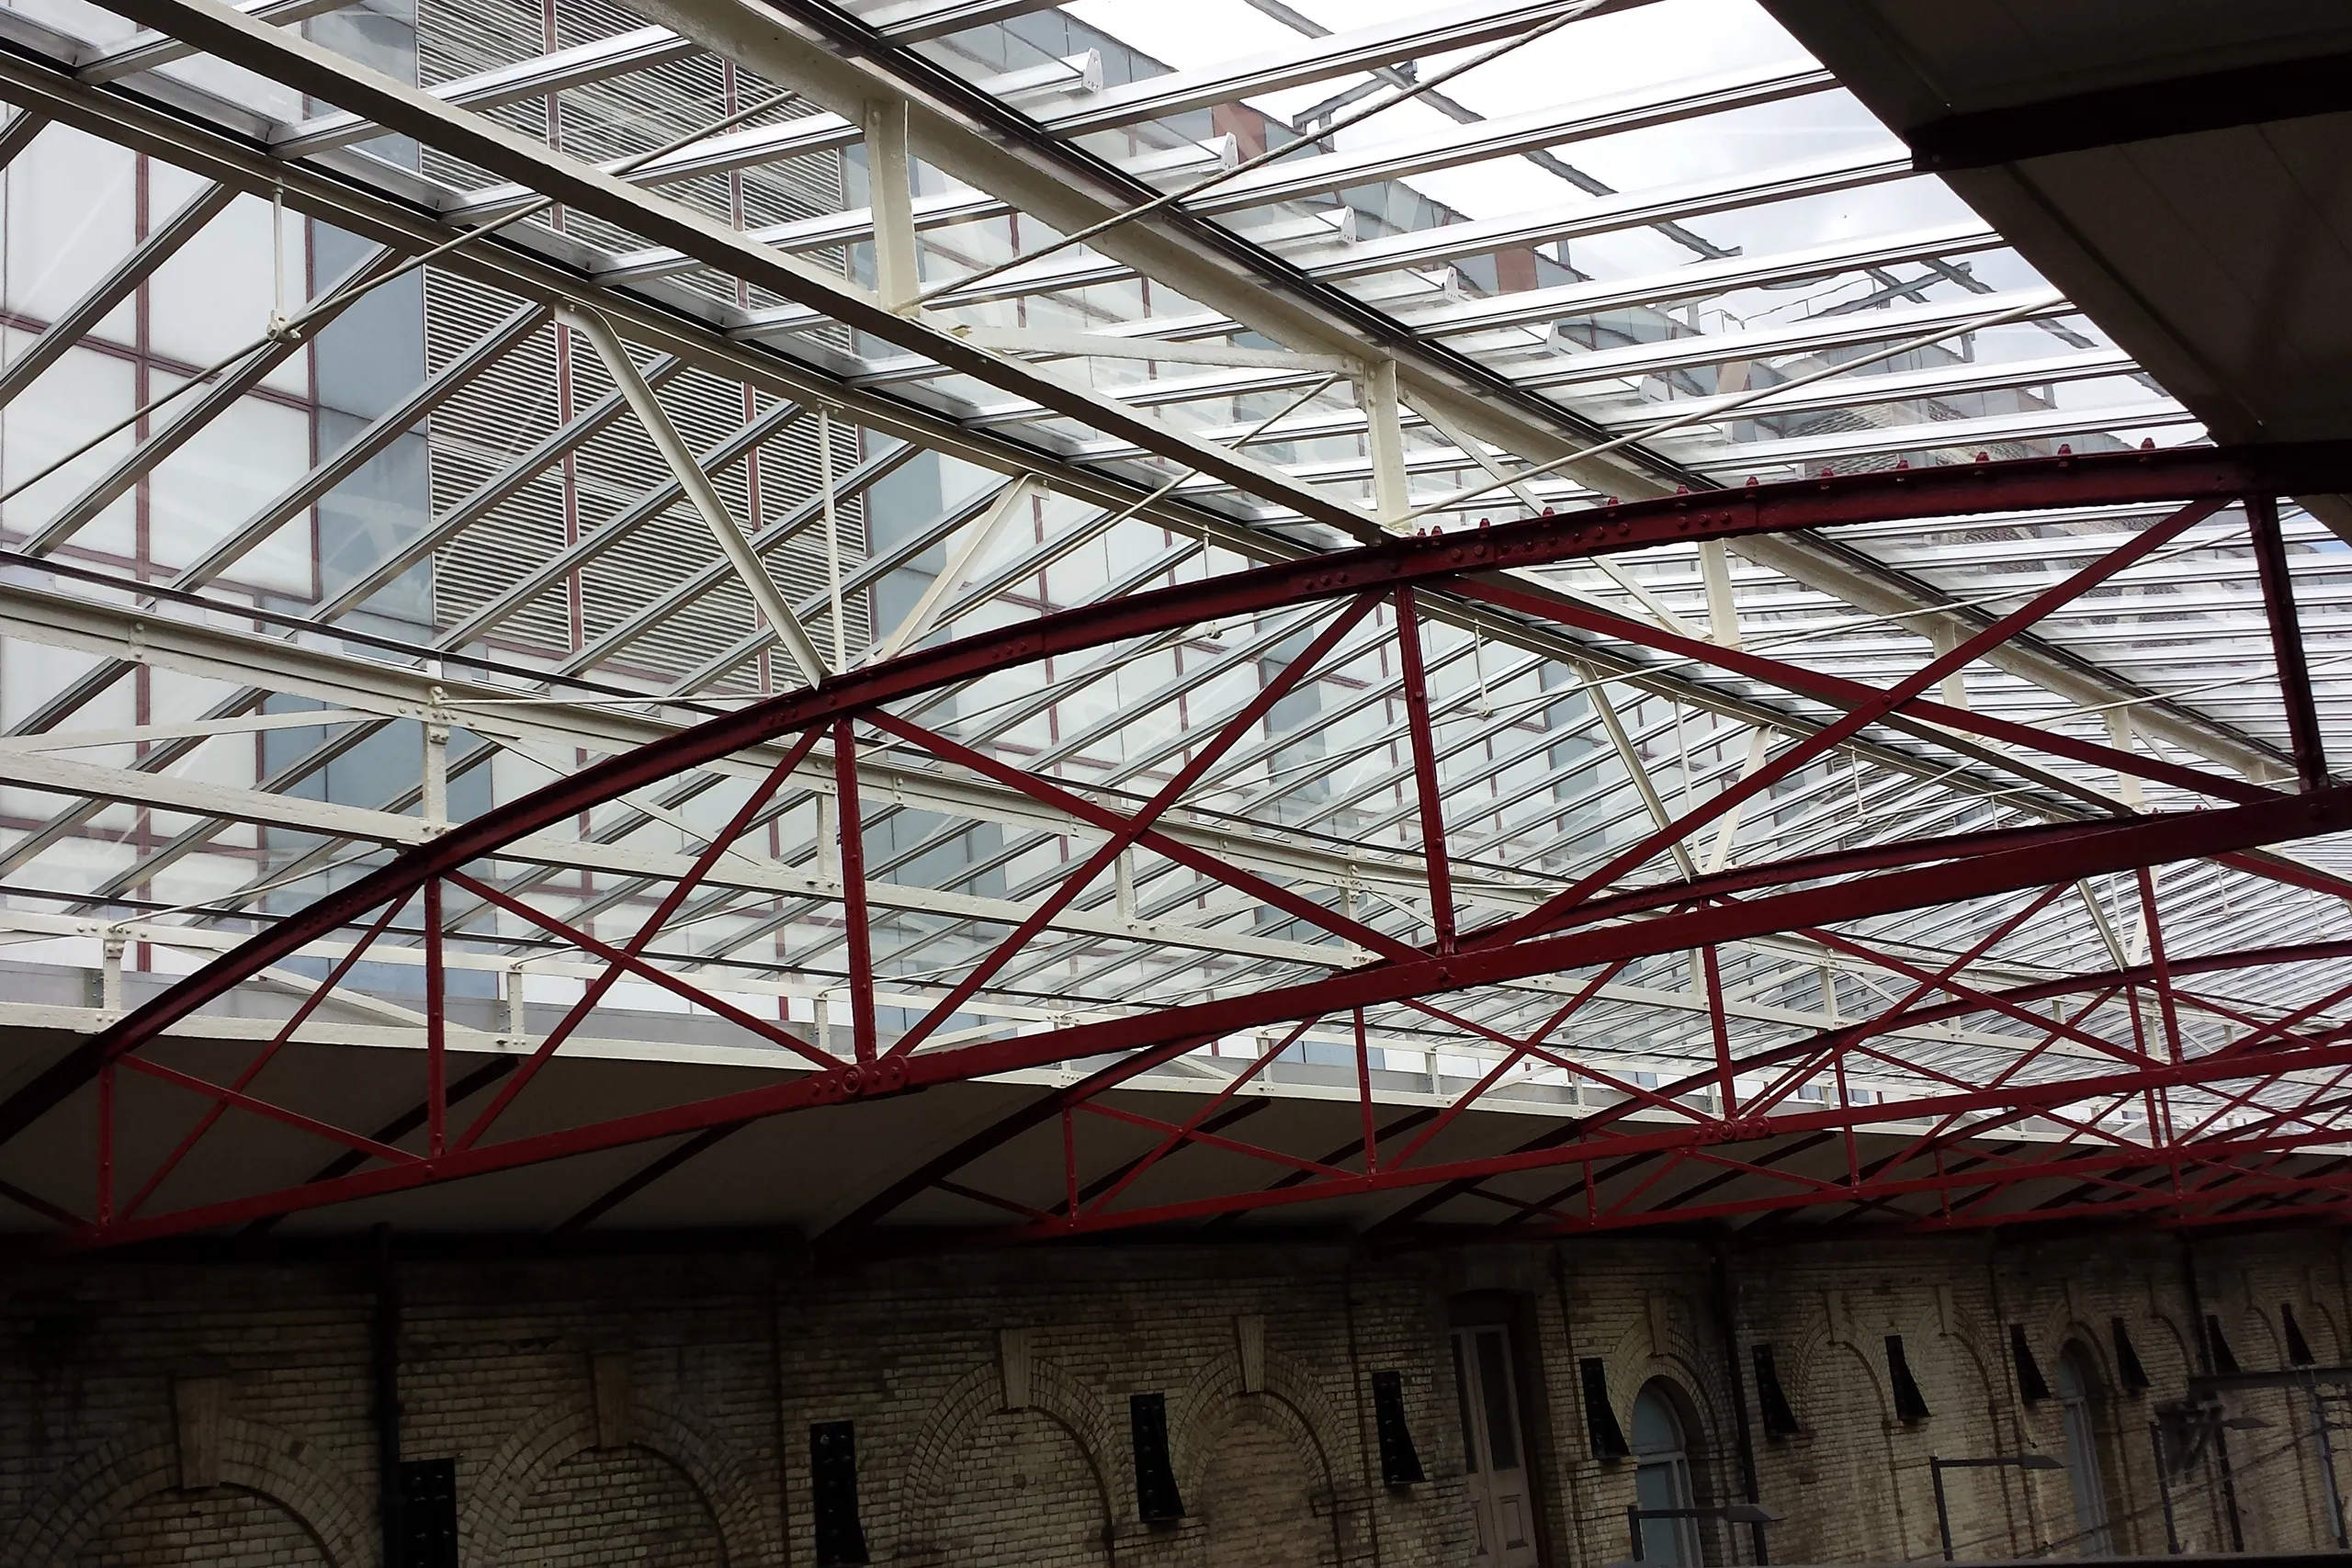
(860, 937)
(436, 1035)
(890, 190)
(1727, 1318)
(433, 783)
(1723, 615)
(2118, 734)
(1385, 431)
(2287, 640)
(1363, 1098)
(2327, 1465)
(1123, 885)
(518, 1016)
(2196, 1296)
(384, 1376)
(106, 1144)
(110, 949)
(2163, 1489)
(1944, 637)
(1425, 780)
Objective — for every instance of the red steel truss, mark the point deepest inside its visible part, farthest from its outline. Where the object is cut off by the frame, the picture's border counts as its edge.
(2127, 1121)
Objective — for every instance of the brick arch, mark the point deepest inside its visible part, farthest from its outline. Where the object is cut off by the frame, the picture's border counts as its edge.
(1232, 1414)
(530, 1455)
(2096, 1348)
(2320, 1329)
(2164, 1350)
(266, 1461)
(1191, 1409)
(1987, 1343)
(930, 1473)
(1696, 1372)
(1817, 1352)
(2256, 1337)
(1631, 1360)
(1972, 1354)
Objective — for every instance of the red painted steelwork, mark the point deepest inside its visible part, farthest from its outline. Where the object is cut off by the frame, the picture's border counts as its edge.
(1566, 934)
(2099, 479)
(2117, 847)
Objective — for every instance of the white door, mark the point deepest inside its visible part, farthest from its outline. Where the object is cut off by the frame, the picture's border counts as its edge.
(1492, 1448)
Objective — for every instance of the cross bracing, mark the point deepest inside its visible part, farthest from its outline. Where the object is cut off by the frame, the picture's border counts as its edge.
(478, 566)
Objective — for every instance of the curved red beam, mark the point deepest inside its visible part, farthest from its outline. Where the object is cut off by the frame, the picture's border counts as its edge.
(2098, 480)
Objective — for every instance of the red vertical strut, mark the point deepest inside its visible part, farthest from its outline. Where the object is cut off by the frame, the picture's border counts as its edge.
(1425, 782)
(436, 1064)
(851, 828)
(106, 1144)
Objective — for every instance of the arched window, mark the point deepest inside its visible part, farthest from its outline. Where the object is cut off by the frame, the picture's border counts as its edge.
(1662, 1480)
(2075, 1381)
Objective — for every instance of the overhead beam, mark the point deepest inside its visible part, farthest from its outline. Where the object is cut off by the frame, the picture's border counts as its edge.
(2141, 111)
(978, 141)
(1304, 60)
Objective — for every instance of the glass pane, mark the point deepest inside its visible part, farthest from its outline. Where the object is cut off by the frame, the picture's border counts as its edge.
(1462, 1393)
(1655, 1431)
(1663, 1484)
(1494, 1383)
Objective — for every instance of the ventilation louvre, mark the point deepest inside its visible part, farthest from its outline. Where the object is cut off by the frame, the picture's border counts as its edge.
(1780, 1416)
(1910, 1404)
(1599, 1417)
(1400, 1462)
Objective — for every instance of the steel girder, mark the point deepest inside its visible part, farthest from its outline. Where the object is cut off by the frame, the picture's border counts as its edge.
(2226, 1125)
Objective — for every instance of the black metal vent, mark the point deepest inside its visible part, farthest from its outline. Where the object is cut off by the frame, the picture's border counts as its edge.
(2299, 1349)
(1400, 1462)
(2224, 1361)
(1910, 1404)
(1600, 1419)
(2031, 1385)
(1157, 1499)
(1780, 1416)
(428, 1513)
(2127, 1358)
(833, 1494)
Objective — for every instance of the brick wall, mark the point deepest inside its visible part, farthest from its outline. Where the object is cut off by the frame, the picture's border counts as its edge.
(656, 1410)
